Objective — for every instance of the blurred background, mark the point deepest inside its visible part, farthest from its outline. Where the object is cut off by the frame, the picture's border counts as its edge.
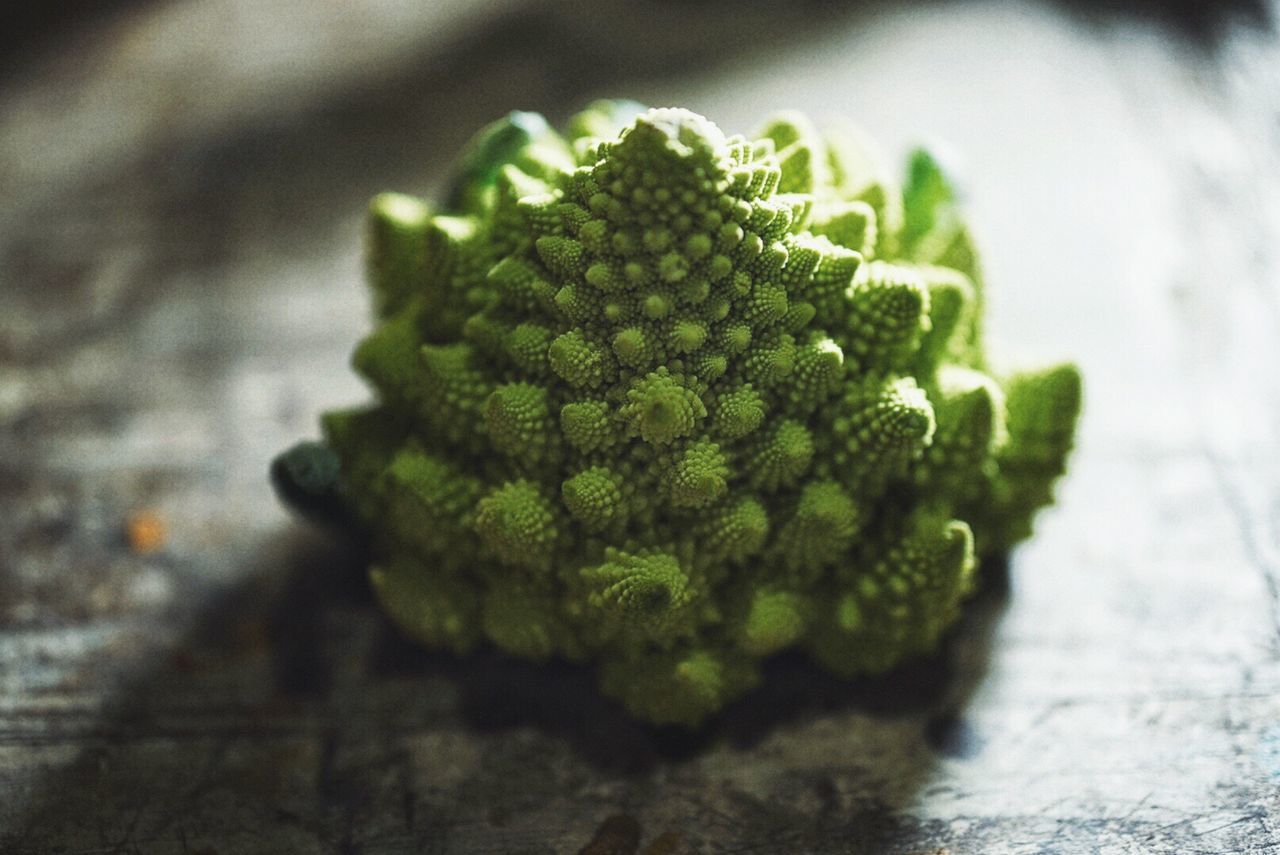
(185, 668)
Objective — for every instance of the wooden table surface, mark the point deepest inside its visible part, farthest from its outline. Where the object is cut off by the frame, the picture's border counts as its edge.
(180, 288)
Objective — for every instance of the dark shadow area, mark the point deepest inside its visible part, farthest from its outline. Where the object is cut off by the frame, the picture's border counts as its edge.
(29, 29)
(290, 697)
(1199, 23)
(700, 31)
(559, 698)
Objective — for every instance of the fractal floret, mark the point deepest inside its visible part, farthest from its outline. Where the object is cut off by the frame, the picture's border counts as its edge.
(670, 401)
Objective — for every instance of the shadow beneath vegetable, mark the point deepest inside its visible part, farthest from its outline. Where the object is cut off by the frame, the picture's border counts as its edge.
(291, 703)
(497, 692)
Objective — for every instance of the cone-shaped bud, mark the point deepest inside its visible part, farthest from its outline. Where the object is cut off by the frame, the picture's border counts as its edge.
(645, 589)
(660, 408)
(735, 531)
(587, 425)
(579, 362)
(819, 374)
(821, 529)
(878, 430)
(738, 412)
(697, 478)
(782, 457)
(898, 606)
(518, 419)
(516, 525)
(594, 498)
(396, 249)
(775, 620)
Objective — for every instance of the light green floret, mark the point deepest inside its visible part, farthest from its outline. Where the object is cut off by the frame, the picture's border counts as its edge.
(659, 408)
(671, 401)
(595, 499)
(646, 593)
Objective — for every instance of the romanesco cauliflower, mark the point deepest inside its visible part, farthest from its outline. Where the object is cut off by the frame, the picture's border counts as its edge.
(671, 401)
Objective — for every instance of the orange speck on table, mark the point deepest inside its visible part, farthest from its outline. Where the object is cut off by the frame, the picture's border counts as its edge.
(145, 530)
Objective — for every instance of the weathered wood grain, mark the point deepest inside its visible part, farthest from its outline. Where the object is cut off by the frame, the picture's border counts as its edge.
(178, 306)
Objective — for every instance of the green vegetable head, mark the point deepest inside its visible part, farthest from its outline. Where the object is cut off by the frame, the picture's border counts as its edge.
(672, 401)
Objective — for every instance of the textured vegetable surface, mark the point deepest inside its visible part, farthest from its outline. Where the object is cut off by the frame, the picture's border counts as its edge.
(672, 401)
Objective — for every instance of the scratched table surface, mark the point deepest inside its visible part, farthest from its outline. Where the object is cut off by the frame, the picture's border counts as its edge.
(185, 668)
